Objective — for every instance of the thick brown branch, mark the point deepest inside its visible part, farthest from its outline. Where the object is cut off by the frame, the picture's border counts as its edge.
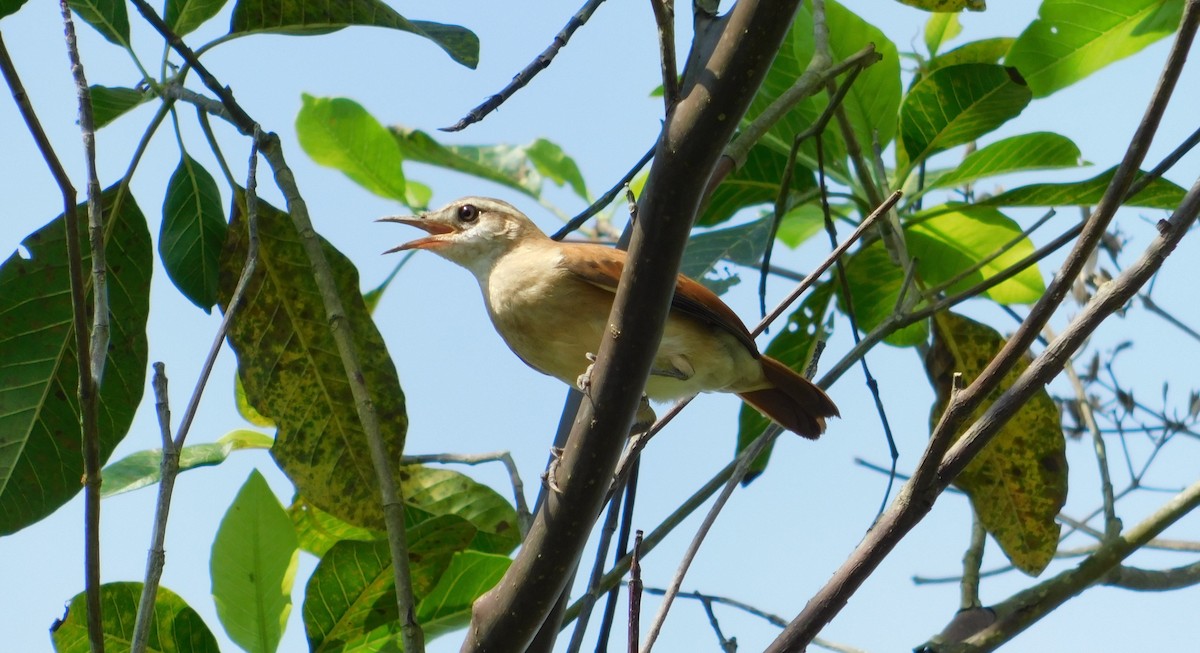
(733, 57)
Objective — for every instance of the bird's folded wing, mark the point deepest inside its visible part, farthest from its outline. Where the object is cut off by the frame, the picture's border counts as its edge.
(602, 266)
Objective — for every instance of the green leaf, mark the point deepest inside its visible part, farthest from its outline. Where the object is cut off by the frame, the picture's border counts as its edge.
(339, 133)
(244, 408)
(253, 567)
(288, 363)
(1036, 151)
(445, 492)
(143, 468)
(318, 530)
(447, 607)
(1159, 194)
(939, 28)
(981, 51)
(952, 242)
(555, 165)
(872, 101)
(193, 231)
(743, 245)
(304, 17)
(350, 600)
(1018, 483)
(794, 347)
(10, 6)
(875, 283)
(1072, 39)
(112, 102)
(957, 104)
(175, 625)
(183, 16)
(755, 183)
(800, 224)
(108, 17)
(41, 459)
(512, 166)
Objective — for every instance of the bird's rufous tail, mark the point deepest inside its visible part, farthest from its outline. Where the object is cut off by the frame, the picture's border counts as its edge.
(794, 402)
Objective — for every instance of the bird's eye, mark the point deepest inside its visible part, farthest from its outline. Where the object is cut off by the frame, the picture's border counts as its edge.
(468, 213)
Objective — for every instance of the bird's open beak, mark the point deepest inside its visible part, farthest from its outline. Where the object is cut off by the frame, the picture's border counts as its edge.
(434, 228)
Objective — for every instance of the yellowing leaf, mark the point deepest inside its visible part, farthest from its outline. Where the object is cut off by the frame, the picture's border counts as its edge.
(1018, 483)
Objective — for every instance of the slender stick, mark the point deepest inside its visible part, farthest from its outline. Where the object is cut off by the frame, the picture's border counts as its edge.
(522, 78)
(664, 17)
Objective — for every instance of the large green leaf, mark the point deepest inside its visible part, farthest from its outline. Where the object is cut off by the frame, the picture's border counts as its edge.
(137, 470)
(193, 231)
(110, 103)
(1036, 151)
(755, 183)
(1072, 39)
(318, 530)
(10, 6)
(175, 626)
(803, 222)
(253, 567)
(288, 363)
(518, 167)
(41, 458)
(447, 607)
(1160, 194)
(445, 492)
(875, 283)
(339, 133)
(1018, 483)
(950, 243)
(743, 245)
(982, 51)
(939, 28)
(108, 17)
(350, 601)
(794, 347)
(302, 17)
(183, 16)
(956, 104)
(872, 102)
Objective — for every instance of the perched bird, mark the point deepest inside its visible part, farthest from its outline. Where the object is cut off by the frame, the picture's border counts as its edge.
(550, 302)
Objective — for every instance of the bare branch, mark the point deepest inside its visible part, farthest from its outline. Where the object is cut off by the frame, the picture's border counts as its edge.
(522, 78)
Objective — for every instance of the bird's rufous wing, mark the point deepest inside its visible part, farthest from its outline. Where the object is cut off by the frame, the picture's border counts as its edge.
(602, 266)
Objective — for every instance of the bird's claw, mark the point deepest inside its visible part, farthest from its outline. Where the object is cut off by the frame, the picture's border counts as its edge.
(584, 382)
(549, 477)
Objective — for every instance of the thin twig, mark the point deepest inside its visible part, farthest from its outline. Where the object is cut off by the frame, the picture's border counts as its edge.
(972, 560)
(522, 78)
(610, 604)
(588, 600)
(748, 455)
(664, 17)
(605, 199)
(91, 361)
(1112, 526)
(171, 448)
(635, 594)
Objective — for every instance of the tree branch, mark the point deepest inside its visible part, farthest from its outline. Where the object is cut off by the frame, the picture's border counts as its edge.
(732, 57)
(917, 496)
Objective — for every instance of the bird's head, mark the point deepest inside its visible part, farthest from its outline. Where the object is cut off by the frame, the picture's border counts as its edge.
(473, 231)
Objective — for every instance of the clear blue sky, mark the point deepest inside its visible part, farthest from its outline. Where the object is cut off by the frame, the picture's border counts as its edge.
(780, 539)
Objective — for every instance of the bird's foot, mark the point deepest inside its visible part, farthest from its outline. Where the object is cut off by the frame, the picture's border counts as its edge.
(549, 477)
(643, 419)
(584, 382)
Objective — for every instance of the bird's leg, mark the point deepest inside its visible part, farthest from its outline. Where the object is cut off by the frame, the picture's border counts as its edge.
(549, 477)
(643, 419)
(584, 382)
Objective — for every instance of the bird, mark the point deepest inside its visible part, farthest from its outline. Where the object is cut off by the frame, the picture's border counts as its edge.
(550, 303)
